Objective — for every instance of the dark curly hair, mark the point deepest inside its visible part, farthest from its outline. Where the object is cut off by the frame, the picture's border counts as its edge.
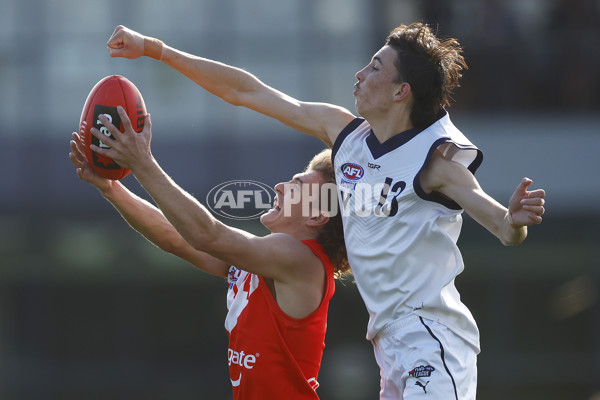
(431, 66)
(331, 236)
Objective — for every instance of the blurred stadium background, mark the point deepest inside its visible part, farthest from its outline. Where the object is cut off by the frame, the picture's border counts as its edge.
(89, 310)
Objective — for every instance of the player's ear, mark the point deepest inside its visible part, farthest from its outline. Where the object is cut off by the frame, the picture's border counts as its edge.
(319, 220)
(402, 92)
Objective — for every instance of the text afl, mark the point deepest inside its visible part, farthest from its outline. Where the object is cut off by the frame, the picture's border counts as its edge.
(241, 200)
(352, 171)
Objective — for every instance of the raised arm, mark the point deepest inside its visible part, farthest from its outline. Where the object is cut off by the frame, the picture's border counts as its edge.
(510, 224)
(236, 86)
(144, 217)
(281, 257)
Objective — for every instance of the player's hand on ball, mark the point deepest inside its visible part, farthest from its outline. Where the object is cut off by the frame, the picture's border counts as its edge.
(129, 149)
(83, 168)
(526, 207)
(125, 42)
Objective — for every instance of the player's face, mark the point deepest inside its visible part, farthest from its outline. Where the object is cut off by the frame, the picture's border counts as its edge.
(376, 86)
(295, 202)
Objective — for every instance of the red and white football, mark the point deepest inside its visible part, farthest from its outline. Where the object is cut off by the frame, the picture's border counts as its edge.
(104, 98)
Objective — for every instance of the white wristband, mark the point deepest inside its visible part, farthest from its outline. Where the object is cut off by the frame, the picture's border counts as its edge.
(153, 48)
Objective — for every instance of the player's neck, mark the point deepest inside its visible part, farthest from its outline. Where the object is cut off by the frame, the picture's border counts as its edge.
(390, 125)
(299, 231)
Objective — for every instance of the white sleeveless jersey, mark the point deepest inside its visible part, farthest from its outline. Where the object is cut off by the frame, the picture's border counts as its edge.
(401, 242)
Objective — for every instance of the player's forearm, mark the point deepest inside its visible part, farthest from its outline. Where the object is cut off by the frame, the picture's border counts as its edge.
(143, 217)
(497, 220)
(510, 234)
(241, 88)
(224, 81)
(492, 215)
(151, 223)
(190, 218)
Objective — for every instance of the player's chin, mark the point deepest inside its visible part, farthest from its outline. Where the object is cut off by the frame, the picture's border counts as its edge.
(357, 107)
(269, 217)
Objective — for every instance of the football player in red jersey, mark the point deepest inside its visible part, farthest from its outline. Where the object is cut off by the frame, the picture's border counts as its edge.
(279, 285)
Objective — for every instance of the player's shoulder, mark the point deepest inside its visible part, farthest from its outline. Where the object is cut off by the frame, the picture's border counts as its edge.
(294, 259)
(288, 247)
(444, 126)
(441, 171)
(357, 126)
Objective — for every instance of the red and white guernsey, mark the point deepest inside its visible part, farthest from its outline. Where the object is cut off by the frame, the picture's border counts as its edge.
(272, 355)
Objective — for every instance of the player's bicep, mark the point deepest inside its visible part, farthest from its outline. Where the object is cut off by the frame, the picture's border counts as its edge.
(456, 182)
(275, 256)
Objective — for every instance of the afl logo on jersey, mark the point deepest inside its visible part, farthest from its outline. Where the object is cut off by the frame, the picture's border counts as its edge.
(352, 171)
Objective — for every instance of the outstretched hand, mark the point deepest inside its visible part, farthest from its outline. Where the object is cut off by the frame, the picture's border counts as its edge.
(83, 168)
(129, 149)
(526, 207)
(126, 43)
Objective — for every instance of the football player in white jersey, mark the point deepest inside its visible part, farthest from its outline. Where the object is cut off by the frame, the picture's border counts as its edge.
(405, 174)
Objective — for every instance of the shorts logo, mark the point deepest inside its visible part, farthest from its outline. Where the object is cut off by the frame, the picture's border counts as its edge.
(352, 171)
(424, 387)
(422, 371)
